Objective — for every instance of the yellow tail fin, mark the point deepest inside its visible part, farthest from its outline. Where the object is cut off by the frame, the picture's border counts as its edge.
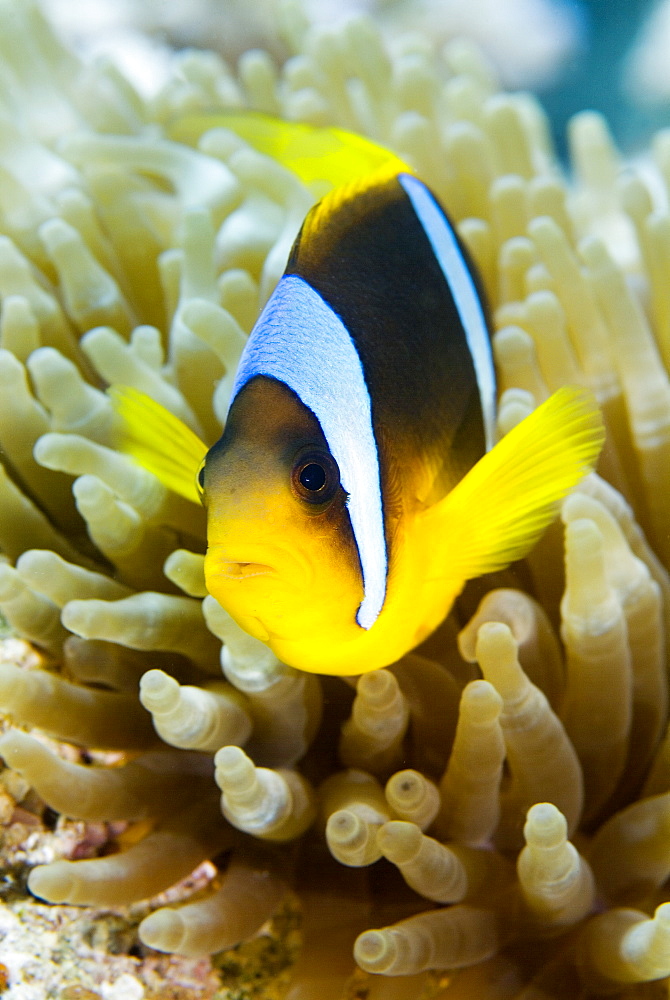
(318, 156)
(158, 441)
(501, 507)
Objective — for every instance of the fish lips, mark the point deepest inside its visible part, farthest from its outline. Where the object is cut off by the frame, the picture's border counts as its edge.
(260, 596)
(225, 565)
(231, 570)
(234, 584)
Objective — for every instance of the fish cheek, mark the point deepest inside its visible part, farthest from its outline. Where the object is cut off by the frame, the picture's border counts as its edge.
(336, 588)
(255, 515)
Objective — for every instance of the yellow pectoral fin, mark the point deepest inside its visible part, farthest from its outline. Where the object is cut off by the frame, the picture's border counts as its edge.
(330, 156)
(158, 441)
(496, 513)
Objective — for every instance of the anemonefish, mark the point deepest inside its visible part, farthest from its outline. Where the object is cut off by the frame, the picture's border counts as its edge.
(358, 483)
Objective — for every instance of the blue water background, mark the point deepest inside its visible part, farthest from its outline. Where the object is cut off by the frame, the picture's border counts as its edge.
(593, 74)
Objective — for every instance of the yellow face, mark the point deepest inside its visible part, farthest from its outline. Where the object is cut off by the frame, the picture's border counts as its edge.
(281, 559)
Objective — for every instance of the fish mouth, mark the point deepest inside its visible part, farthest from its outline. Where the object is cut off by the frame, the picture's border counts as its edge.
(230, 565)
(229, 569)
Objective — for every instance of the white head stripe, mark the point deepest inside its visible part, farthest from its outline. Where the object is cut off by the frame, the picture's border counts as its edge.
(300, 341)
(457, 275)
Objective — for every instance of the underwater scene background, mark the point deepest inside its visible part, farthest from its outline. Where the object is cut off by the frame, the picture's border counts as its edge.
(486, 818)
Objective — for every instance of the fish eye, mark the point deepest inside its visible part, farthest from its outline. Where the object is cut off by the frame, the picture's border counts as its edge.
(316, 477)
(313, 477)
(200, 478)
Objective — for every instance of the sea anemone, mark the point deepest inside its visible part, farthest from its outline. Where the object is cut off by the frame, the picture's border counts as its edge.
(488, 817)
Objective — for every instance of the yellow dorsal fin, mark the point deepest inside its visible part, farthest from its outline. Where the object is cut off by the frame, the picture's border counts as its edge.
(496, 513)
(321, 157)
(339, 196)
(158, 441)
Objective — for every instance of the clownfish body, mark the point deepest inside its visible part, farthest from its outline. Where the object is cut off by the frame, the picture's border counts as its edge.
(356, 486)
(365, 393)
